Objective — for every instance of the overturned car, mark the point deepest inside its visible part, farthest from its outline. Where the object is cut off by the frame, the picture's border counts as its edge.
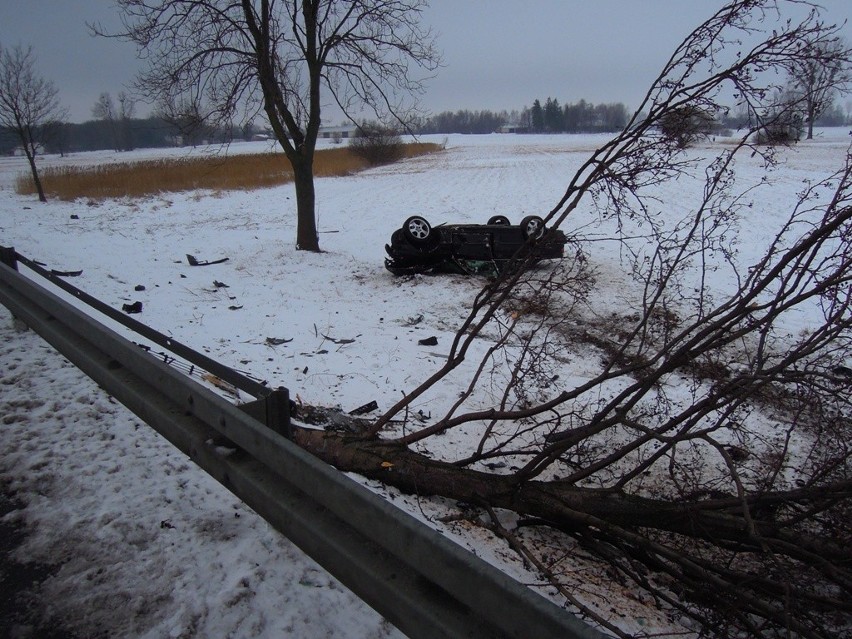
(418, 247)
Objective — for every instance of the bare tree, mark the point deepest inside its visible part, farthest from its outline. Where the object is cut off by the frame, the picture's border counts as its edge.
(280, 57)
(28, 103)
(126, 111)
(117, 118)
(187, 118)
(704, 456)
(822, 69)
(104, 109)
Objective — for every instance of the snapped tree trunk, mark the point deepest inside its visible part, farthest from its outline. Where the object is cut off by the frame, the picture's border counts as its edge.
(562, 505)
(306, 226)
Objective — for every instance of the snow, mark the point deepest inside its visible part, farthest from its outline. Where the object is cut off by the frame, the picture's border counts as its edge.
(148, 545)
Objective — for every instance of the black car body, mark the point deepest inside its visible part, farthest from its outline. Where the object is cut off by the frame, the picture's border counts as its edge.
(418, 247)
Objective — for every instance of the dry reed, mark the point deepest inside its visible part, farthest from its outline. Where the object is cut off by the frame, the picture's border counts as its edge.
(218, 173)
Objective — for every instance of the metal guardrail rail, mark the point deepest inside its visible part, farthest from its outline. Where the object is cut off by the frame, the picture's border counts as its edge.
(426, 585)
(225, 373)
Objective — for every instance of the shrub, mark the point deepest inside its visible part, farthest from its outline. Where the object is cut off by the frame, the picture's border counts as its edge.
(377, 144)
(687, 124)
(782, 129)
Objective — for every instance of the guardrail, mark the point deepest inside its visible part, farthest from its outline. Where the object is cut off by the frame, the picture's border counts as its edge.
(426, 585)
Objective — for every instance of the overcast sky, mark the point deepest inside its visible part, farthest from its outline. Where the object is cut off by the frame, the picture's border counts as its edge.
(498, 54)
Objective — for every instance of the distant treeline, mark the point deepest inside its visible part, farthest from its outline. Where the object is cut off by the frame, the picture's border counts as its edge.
(465, 122)
(581, 117)
(550, 117)
(577, 117)
(123, 135)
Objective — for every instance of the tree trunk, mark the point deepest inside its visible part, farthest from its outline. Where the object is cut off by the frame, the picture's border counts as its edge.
(811, 116)
(306, 227)
(31, 159)
(564, 506)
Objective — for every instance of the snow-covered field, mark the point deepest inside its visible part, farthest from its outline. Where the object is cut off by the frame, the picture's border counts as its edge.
(147, 545)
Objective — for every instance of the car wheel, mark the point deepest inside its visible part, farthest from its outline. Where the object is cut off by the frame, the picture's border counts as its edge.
(532, 226)
(417, 230)
(502, 220)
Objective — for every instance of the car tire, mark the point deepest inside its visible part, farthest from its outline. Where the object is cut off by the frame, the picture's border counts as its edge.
(532, 227)
(417, 230)
(502, 220)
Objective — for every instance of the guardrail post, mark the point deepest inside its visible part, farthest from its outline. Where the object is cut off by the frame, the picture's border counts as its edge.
(272, 410)
(9, 257)
(278, 412)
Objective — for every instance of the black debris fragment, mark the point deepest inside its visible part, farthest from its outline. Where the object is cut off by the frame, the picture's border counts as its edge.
(366, 408)
(429, 341)
(136, 307)
(139, 287)
(194, 262)
(277, 341)
(66, 273)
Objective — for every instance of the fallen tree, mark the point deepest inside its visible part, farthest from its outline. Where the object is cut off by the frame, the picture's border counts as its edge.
(705, 458)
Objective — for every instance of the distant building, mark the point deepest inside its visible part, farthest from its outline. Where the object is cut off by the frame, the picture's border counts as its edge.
(18, 151)
(342, 132)
(513, 128)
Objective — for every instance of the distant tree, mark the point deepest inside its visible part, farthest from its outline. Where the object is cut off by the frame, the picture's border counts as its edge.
(8, 141)
(537, 117)
(104, 110)
(780, 121)
(247, 130)
(832, 116)
(28, 103)
(151, 132)
(584, 117)
(736, 118)
(188, 121)
(54, 137)
(286, 58)
(817, 73)
(612, 117)
(579, 117)
(126, 111)
(572, 118)
(553, 115)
